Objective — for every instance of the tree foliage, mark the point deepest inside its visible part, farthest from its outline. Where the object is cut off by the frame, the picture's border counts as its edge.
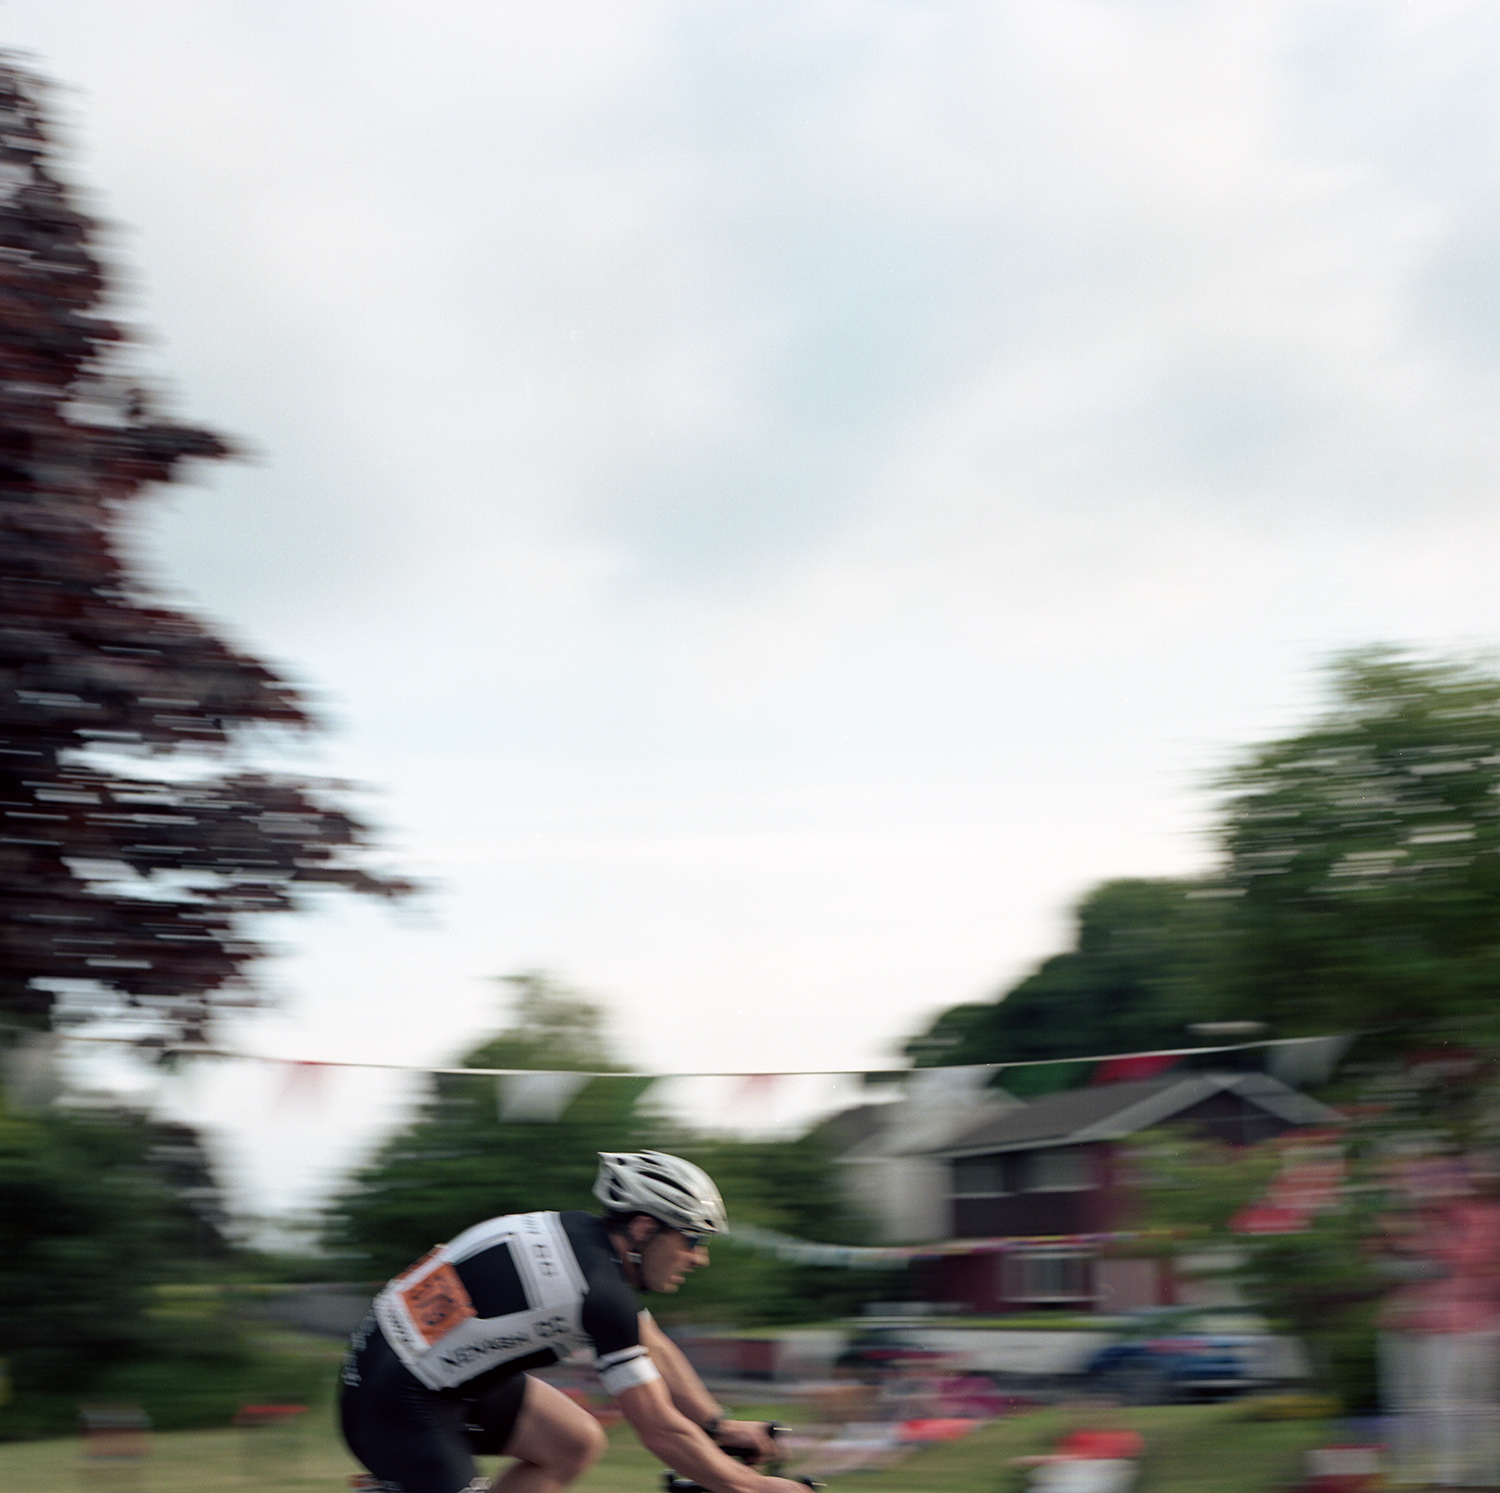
(1320, 1283)
(1139, 972)
(790, 1186)
(132, 883)
(553, 1028)
(97, 1205)
(1364, 853)
(1358, 889)
(458, 1162)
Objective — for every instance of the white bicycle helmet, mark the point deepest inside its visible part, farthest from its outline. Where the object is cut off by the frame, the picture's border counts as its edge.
(671, 1190)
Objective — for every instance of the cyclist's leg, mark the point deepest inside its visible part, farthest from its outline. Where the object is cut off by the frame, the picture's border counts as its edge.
(490, 1417)
(410, 1438)
(554, 1441)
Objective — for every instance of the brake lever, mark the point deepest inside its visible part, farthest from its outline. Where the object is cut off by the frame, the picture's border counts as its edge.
(672, 1483)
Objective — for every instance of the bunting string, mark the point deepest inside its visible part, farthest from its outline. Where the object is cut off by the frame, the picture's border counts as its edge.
(200, 1050)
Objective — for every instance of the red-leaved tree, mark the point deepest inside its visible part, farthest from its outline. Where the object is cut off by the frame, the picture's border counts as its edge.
(118, 880)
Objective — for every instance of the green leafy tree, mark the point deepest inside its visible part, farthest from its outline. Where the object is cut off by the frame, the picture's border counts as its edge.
(790, 1186)
(1191, 1187)
(1363, 854)
(1142, 968)
(104, 1213)
(1359, 890)
(553, 1027)
(1319, 1283)
(82, 1224)
(458, 1162)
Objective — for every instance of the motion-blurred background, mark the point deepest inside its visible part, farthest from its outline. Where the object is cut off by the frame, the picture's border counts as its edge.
(895, 597)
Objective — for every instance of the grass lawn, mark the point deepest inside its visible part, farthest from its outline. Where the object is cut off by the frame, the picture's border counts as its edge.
(1190, 1449)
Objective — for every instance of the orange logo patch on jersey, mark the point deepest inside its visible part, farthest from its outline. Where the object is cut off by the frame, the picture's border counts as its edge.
(437, 1303)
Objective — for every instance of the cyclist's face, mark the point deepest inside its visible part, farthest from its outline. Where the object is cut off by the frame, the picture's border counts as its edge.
(668, 1259)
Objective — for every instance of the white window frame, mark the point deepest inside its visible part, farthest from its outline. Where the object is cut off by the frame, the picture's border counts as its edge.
(1085, 1159)
(1016, 1267)
(998, 1159)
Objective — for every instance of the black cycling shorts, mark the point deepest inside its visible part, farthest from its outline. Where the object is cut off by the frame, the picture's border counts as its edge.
(415, 1439)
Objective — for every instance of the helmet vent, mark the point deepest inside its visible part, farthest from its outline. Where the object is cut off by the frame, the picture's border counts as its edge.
(673, 1191)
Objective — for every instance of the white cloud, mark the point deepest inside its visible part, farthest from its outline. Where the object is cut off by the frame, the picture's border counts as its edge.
(785, 496)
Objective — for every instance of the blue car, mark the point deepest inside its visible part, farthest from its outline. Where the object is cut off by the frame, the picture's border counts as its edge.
(1183, 1352)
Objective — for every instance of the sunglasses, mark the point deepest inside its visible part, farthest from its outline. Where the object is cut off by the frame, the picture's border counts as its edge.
(694, 1241)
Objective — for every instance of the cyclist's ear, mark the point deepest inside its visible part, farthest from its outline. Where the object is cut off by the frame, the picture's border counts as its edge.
(641, 1230)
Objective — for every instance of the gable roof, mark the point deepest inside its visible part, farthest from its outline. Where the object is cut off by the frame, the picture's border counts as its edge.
(1111, 1111)
(846, 1129)
(876, 1132)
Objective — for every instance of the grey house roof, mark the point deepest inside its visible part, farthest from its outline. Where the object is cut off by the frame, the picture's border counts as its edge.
(1112, 1111)
(851, 1127)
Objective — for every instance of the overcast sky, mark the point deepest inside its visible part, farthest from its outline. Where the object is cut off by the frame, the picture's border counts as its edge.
(780, 498)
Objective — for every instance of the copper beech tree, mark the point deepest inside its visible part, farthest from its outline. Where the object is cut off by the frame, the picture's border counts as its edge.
(122, 881)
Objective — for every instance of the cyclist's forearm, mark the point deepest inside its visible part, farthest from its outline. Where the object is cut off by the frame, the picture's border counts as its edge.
(689, 1453)
(689, 1394)
(667, 1433)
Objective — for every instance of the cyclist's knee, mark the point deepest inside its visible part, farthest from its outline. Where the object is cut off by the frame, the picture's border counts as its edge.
(555, 1433)
(578, 1446)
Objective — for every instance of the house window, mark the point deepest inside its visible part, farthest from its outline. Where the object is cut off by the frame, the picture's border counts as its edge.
(1047, 1276)
(979, 1177)
(1059, 1169)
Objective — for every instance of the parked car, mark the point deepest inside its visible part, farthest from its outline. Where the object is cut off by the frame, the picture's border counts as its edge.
(1186, 1351)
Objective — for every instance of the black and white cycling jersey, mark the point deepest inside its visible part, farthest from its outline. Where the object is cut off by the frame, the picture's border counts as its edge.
(516, 1292)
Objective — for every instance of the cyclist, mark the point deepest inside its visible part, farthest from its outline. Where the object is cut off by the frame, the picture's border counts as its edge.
(437, 1371)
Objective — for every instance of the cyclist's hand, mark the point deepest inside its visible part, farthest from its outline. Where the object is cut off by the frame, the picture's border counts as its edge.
(746, 1436)
(781, 1485)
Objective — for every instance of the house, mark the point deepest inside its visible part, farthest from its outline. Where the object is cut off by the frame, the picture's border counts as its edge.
(890, 1154)
(1046, 1174)
(1049, 1175)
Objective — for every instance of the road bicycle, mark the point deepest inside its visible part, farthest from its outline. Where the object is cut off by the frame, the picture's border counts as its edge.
(364, 1482)
(672, 1483)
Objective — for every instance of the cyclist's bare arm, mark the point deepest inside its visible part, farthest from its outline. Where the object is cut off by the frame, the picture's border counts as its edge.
(667, 1433)
(691, 1397)
(689, 1393)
